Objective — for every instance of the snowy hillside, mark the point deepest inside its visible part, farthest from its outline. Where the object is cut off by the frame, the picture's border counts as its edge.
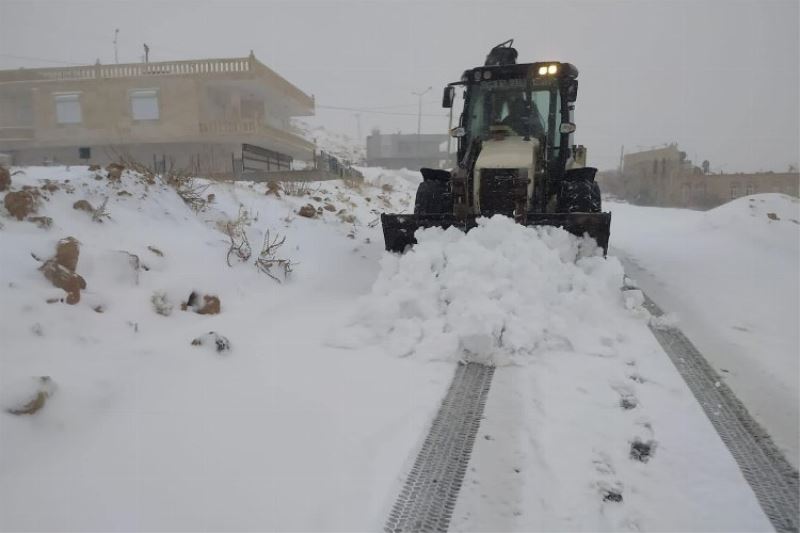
(730, 275)
(305, 406)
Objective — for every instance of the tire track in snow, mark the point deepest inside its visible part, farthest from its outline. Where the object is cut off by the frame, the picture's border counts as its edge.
(430, 491)
(773, 480)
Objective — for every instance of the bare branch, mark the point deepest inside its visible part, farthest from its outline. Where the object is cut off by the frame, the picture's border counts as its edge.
(267, 258)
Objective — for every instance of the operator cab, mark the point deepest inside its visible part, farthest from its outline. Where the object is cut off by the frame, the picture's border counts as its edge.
(532, 100)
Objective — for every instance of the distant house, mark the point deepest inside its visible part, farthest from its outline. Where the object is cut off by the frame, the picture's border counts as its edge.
(665, 177)
(193, 114)
(410, 151)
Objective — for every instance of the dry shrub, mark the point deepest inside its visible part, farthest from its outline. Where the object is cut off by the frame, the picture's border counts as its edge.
(274, 188)
(237, 233)
(299, 188)
(353, 183)
(268, 259)
(191, 191)
(100, 213)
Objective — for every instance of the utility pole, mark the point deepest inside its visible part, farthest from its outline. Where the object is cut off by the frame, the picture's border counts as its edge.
(419, 111)
(116, 56)
(146, 53)
(419, 117)
(358, 126)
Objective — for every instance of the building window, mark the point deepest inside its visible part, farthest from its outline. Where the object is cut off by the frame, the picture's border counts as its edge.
(144, 104)
(68, 108)
(750, 189)
(734, 191)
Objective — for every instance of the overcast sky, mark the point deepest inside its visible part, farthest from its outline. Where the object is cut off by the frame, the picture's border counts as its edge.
(718, 77)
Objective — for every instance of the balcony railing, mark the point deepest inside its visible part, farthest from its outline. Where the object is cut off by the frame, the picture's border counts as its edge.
(252, 127)
(129, 70)
(206, 67)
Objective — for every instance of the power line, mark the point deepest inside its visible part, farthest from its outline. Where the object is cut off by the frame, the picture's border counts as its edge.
(43, 59)
(368, 110)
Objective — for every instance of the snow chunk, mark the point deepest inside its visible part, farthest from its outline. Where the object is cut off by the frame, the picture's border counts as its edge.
(499, 295)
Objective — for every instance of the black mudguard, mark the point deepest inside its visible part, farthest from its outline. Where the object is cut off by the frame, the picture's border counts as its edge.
(398, 230)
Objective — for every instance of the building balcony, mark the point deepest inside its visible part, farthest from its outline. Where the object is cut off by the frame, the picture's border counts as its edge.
(255, 131)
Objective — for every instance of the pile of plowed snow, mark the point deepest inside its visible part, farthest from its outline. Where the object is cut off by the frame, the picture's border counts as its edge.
(498, 294)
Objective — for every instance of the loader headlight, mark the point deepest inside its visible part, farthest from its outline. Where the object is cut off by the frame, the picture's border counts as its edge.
(552, 69)
(542, 71)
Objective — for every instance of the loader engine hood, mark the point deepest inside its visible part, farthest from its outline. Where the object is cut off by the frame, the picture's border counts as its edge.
(504, 174)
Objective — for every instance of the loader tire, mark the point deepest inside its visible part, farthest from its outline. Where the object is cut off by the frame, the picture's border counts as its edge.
(433, 198)
(580, 196)
(597, 200)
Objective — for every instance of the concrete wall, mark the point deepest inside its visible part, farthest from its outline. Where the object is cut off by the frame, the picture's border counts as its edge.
(106, 112)
(199, 158)
(207, 108)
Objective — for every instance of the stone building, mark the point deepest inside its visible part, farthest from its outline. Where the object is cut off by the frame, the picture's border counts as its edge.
(410, 151)
(195, 114)
(665, 177)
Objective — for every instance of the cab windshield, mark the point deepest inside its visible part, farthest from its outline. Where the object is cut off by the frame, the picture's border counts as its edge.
(513, 104)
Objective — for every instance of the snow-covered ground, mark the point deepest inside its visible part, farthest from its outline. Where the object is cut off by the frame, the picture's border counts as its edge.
(146, 431)
(731, 276)
(312, 418)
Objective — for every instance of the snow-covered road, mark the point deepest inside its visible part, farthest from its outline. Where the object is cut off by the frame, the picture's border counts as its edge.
(313, 419)
(730, 277)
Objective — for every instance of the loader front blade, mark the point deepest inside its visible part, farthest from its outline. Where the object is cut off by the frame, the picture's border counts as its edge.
(398, 230)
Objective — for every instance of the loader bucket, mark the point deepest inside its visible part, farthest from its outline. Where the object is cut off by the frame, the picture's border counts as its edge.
(398, 230)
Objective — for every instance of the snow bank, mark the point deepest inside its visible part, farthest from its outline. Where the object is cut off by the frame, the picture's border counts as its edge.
(498, 294)
(731, 276)
(147, 432)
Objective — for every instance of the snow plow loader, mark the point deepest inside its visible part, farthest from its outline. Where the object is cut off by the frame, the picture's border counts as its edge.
(515, 156)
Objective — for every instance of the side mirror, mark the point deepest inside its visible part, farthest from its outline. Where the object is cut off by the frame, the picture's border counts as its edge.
(567, 127)
(447, 97)
(458, 132)
(572, 91)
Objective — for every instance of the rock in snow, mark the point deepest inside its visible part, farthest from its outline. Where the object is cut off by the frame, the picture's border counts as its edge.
(219, 342)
